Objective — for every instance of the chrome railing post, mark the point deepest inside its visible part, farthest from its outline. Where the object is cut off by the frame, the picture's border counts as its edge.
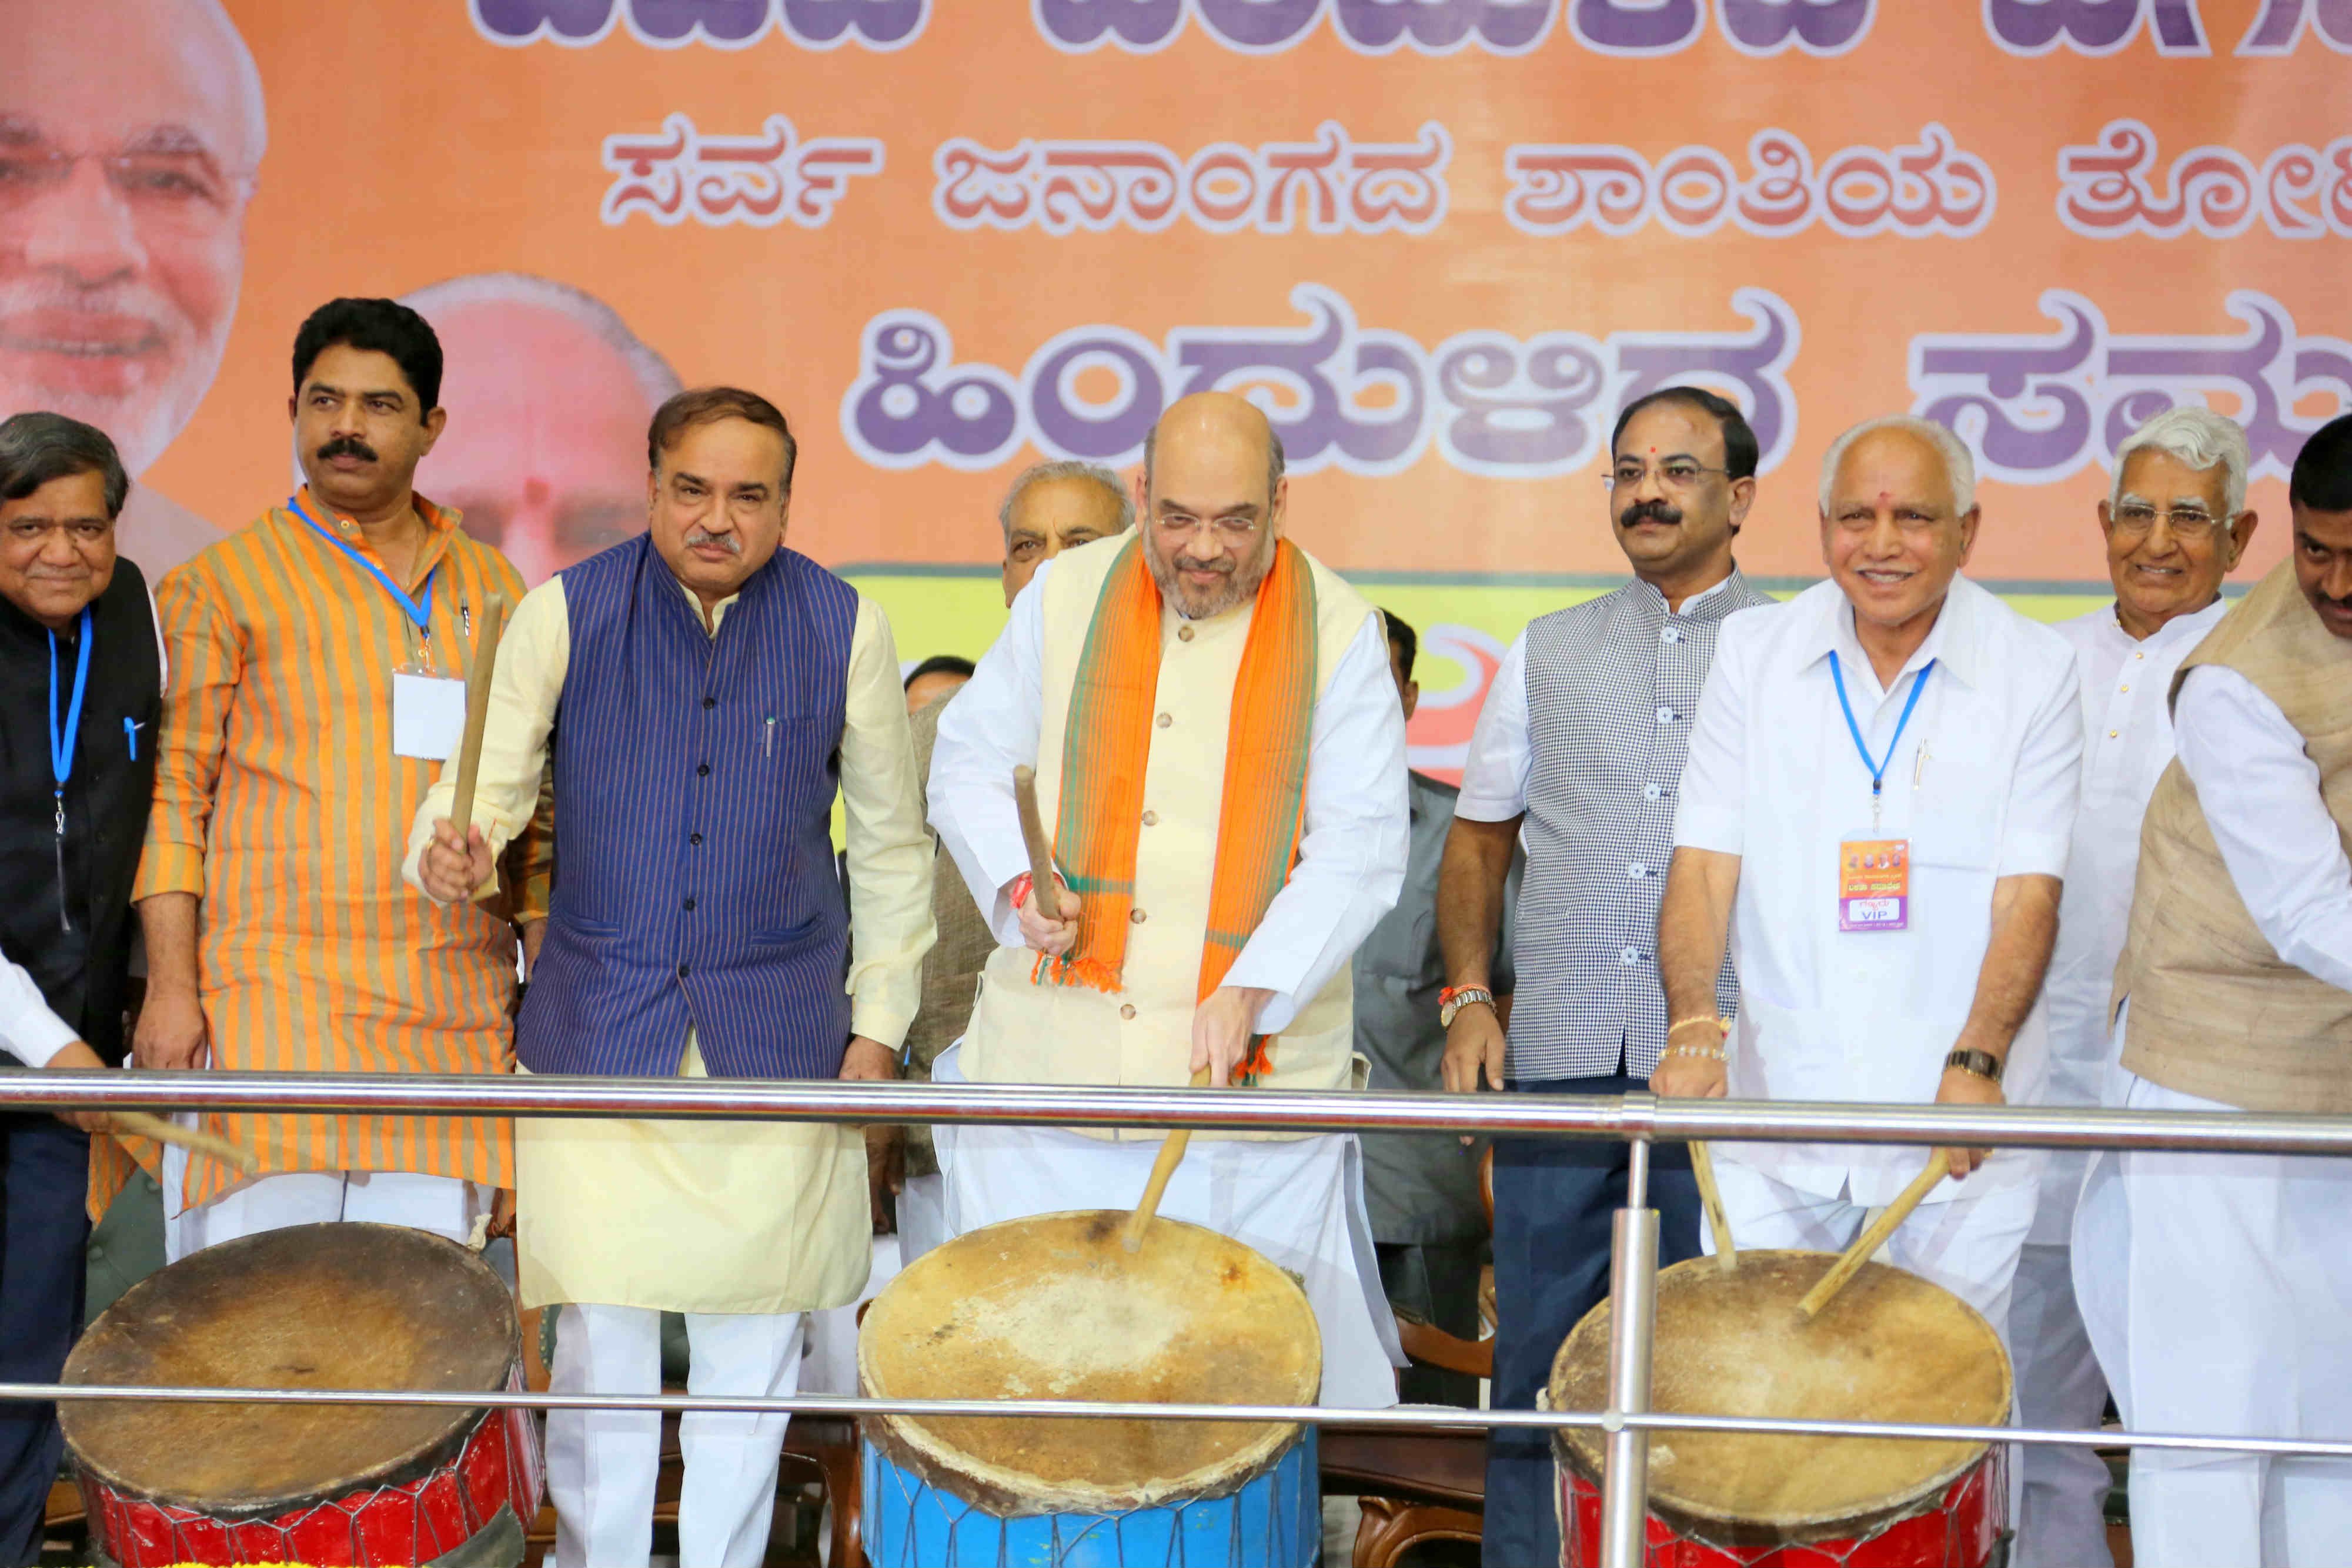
(1632, 1297)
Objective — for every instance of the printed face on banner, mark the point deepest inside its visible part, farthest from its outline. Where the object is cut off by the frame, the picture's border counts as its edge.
(547, 424)
(717, 505)
(2170, 540)
(361, 430)
(57, 549)
(1675, 508)
(1892, 536)
(130, 133)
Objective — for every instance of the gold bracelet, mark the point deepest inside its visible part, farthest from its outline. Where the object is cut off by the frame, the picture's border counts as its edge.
(1705, 1053)
(1721, 1026)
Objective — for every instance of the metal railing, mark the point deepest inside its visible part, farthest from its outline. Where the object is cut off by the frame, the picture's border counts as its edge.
(1640, 1119)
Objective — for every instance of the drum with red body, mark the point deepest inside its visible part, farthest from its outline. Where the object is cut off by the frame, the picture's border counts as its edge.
(313, 1306)
(1889, 1347)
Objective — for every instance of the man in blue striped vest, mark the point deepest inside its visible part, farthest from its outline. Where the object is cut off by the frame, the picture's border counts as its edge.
(699, 693)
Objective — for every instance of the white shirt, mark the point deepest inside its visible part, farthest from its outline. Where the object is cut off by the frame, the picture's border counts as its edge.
(2127, 745)
(1982, 783)
(2260, 793)
(1350, 857)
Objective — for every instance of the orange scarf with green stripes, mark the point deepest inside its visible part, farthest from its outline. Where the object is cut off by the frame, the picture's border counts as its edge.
(1108, 741)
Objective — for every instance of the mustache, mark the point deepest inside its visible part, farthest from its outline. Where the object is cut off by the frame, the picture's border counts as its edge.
(1223, 565)
(728, 542)
(1649, 512)
(346, 447)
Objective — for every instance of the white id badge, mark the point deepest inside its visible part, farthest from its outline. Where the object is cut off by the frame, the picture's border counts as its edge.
(428, 716)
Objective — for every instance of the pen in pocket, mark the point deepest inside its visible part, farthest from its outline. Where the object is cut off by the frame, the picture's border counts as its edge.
(130, 727)
(768, 745)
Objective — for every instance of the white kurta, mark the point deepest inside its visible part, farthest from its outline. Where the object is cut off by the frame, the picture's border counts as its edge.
(1982, 783)
(2218, 1288)
(704, 1217)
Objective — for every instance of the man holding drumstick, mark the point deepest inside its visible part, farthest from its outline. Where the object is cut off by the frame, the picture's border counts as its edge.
(1876, 807)
(716, 692)
(1221, 765)
(82, 689)
(317, 659)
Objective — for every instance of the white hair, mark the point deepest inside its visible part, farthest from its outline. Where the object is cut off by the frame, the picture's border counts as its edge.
(1038, 473)
(1959, 467)
(654, 376)
(2196, 438)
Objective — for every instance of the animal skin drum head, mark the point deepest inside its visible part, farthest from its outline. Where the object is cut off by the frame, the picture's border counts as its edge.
(1054, 1307)
(311, 1306)
(1889, 1347)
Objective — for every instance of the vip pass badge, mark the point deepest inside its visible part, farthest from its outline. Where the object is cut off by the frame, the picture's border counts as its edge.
(1875, 873)
(429, 709)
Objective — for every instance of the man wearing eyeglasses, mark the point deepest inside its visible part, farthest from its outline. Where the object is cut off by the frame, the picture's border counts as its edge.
(1219, 757)
(130, 133)
(1578, 750)
(2175, 525)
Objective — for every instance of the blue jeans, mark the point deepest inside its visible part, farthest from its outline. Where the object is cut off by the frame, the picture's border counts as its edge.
(1553, 1200)
(44, 1179)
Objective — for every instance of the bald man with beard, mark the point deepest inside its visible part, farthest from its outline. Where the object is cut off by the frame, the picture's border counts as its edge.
(131, 132)
(1214, 727)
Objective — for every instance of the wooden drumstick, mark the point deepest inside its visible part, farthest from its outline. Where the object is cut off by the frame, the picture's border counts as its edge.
(1171, 1155)
(1869, 1240)
(1718, 1223)
(139, 1124)
(1041, 875)
(478, 711)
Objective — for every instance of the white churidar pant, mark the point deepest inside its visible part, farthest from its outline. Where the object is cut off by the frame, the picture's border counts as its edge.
(600, 1464)
(2218, 1291)
(2059, 1386)
(1299, 1201)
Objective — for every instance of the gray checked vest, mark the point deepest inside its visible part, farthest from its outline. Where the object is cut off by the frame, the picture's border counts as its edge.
(1612, 689)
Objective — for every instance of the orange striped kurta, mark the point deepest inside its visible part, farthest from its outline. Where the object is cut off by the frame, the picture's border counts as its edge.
(279, 803)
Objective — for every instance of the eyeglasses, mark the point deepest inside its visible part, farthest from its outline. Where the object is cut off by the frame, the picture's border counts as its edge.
(1675, 474)
(1179, 525)
(2189, 524)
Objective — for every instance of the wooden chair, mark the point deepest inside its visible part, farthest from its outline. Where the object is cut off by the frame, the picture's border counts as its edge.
(1419, 1483)
(825, 1445)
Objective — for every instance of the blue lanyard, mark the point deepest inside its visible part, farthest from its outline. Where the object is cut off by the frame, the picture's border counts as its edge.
(1877, 768)
(61, 747)
(420, 613)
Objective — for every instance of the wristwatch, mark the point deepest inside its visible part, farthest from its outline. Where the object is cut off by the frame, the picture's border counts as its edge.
(1983, 1064)
(1453, 999)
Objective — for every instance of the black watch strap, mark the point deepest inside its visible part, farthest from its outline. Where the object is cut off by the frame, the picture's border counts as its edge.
(1983, 1064)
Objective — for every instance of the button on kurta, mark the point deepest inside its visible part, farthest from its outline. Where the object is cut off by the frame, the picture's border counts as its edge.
(681, 971)
(1136, 915)
(1127, 1011)
(1166, 719)
(702, 771)
(1150, 818)
(1183, 633)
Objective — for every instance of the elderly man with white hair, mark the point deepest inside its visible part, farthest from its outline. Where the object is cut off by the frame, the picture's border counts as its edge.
(1877, 809)
(2175, 525)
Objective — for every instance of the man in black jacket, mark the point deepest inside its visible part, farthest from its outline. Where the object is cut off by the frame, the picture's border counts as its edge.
(80, 693)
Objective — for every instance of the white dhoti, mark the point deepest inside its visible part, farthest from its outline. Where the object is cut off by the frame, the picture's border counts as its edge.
(2218, 1291)
(741, 1226)
(447, 1206)
(1968, 1244)
(1299, 1201)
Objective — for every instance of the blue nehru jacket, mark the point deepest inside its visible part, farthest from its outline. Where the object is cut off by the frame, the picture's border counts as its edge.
(694, 780)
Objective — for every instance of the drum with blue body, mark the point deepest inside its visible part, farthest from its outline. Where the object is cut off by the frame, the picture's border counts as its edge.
(1053, 1307)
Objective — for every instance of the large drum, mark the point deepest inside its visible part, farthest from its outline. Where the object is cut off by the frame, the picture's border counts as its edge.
(1889, 1347)
(314, 1306)
(1052, 1307)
